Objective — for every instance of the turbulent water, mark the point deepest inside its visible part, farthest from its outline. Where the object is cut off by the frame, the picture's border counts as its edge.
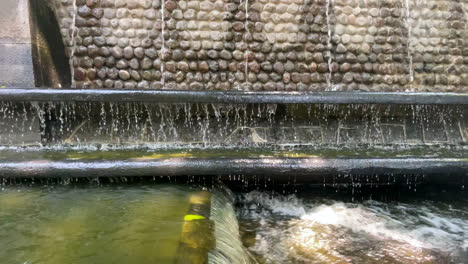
(305, 229)
(144, 223)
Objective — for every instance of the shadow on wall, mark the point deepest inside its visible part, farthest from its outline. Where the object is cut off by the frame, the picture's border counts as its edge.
(51, 65)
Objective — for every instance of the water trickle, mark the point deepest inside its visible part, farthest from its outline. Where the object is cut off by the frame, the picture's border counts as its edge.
(246, 68)
(103, 119)
(72, 43)
(163, 48)
(150, 123)
(329, 46)
(409, 38)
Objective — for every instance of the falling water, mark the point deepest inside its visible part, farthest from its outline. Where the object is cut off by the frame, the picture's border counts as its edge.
(229, 248)
(246, 68)
(73, 42)
(244, 125)
(410, 36)
(329, 45)
(163, 48)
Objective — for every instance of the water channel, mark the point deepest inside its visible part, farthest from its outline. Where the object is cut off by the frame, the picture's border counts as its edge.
(149, 222)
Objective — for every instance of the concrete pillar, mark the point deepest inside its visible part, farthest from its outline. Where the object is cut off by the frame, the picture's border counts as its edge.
(16, 67)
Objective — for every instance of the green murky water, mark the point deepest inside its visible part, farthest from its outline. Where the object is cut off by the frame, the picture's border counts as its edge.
(144, 223)
(92, 224)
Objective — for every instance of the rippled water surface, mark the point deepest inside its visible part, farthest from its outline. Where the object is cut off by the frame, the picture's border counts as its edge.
(92, 224)
(144, 223)
(306, 229)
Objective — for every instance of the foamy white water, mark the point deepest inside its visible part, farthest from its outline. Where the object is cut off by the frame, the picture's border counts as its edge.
(290, 230)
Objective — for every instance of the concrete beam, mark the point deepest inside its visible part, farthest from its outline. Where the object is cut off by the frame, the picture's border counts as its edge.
(305, 169)
(230, 97)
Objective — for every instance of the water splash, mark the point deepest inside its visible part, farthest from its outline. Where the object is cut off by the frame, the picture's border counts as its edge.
(290, 230)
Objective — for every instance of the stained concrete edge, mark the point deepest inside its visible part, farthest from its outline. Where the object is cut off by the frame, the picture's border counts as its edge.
(304, 169)
(229, 97)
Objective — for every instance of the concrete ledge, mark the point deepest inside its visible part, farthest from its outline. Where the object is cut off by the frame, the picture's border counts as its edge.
(307, 169)
(231, 97)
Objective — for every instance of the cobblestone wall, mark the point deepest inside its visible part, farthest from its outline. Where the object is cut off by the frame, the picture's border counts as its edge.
(273, 45)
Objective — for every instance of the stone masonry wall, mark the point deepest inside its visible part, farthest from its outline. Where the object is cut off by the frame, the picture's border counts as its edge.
(273, 45)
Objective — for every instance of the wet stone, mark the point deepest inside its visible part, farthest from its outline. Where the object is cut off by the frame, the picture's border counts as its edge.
(146, 63)
(170, 67)
(84, 11)
(128, 52)
(139, 52)
(124, 75)
(80, 74)
(151, 53)
(97, 13)
(278, 67)
(211, 42)
(212, 54)
(147, 75)
(289, 66)
(122, 64)
(102, 73)
(177, 54)
(134, 64)
(213, 65)
(99, 62)
(116, 52)
(143, 85)
(203, 66)
(110, 84)
(129, 85)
